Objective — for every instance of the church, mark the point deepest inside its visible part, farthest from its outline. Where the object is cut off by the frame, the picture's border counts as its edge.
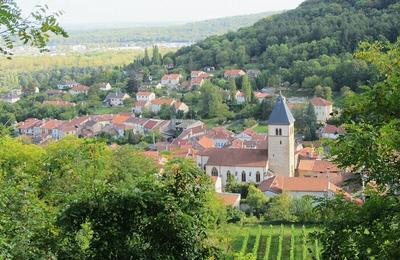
(257, 165)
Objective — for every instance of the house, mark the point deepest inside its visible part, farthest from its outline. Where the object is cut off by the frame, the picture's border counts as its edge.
(180, 106)
(322, 169)
(298, 187)
(46, 130)
(67, 85)
(240, 98)
(323, 109)
(307, 153)
(230, 199)
(245, 165)
(220, 136)
(10, 98)
(54, 92)
(199, 74)
(79, 89)
(171, 80)
(58, 103)
(331, 131)
(209, 68)
(260, 96)
(145, 96)
(196, 82)
(157, 103)
(116, 99)
(232, 74)
(253, 73)
(26, 127)
(140, 106)
(105, 86)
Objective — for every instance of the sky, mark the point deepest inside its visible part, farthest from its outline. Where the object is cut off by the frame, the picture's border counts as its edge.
(154, 11)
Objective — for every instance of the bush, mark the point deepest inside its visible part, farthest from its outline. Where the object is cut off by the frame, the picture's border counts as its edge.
(234, 215)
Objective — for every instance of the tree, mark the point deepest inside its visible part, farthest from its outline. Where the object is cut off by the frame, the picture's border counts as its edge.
(371, 147)
(232, 90)
(280, 208)
(156, 58)
(212, 102)
(146, 59)
(246, 88)
(34, 30)
(310, 121)
(256, 200)
(132, 86)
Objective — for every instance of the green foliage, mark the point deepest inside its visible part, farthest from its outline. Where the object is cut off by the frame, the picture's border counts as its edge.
(246, 88)
(280, 243)
(80, 199)
(314, 40)
(256, 245)
(212, 104)
(292, 244)
(256, 200)
(310, 120)
(268, 243)
(371, 147)
(244, 244)
(279, 208)
(234, 215)
(34, 30)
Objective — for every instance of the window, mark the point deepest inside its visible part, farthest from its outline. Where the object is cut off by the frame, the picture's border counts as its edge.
(276, 131)
(280, 131)
(228, 174)
(258, 177)
(243, 176)
(214, 172)
(280, 142)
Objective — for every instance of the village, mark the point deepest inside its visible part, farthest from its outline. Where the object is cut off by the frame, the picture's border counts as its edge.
(276, 160)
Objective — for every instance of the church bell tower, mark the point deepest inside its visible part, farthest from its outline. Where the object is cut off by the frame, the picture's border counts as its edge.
(281, 139)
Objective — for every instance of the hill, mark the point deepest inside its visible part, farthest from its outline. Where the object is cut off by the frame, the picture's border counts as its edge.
(145, 35)
(307, 46)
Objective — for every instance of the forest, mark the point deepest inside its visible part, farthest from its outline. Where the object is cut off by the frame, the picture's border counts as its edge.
(308, 46)
(149, 35)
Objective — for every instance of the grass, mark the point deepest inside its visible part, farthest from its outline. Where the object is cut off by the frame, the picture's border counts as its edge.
(111, 110)
(261, 129)
(236, 233)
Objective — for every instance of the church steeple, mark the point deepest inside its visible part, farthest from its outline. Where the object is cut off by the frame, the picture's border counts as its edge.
(281, 114)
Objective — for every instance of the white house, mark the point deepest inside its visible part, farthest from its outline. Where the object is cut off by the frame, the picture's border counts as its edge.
(145, 96)
(330, 131)
(323, 108)
(171, 80)
(240, 98)
(80, 89)
(157, 103)
(116, 99)
(10, 98)
(105, 86)
(67, 85)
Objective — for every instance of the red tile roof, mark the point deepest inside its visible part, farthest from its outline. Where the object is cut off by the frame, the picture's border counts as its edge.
(144, 93)
(173, 76)
(234, 72)
(318, 166)
(51, 124)
(229, 199)
(28, 123)
(80, 88)
(163, 101)
(279, 184)
(332, 129)
(318, 101)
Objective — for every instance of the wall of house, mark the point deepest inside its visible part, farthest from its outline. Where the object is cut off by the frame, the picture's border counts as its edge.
(236, 172)
(323, 112)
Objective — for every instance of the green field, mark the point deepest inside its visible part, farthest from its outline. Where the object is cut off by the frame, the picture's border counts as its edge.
(268, 237)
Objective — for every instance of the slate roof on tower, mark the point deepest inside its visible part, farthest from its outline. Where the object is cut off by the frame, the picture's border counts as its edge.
(281, 114)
